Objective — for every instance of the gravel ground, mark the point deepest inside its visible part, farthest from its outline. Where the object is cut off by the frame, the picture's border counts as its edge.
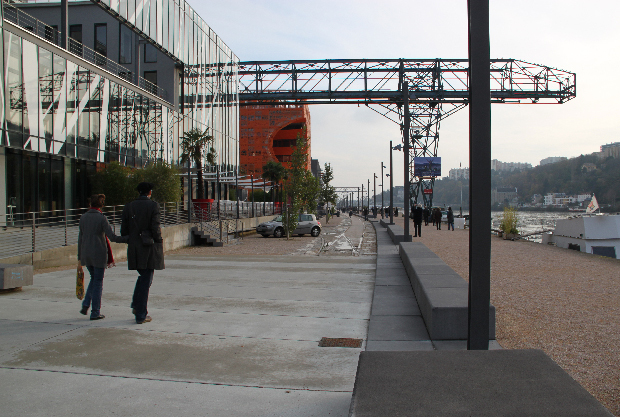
(565, 302)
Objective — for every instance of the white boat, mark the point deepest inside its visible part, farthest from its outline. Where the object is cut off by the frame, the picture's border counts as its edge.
(598, 234)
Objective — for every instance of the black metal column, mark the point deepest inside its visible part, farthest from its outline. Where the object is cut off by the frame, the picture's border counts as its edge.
(391, 187)
(406, 139)
(479, 175)
(64, 24)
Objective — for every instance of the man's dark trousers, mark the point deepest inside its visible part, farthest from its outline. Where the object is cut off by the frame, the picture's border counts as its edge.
(417, 227)
(141, 293)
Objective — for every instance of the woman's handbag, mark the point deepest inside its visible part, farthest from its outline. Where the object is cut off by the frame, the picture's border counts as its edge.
(79, 284)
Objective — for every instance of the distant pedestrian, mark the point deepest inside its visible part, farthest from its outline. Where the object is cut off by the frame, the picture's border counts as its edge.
(365, 211)
(450, 219)
(396, 211)
(417, 220)
(427, 214)
(95, 253)
(145, 253)
(437, 217)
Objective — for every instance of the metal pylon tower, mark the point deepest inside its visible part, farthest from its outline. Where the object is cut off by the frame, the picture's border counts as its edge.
(437, 88)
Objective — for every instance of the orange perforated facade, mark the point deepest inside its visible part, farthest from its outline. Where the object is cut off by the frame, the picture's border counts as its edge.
(269, 133)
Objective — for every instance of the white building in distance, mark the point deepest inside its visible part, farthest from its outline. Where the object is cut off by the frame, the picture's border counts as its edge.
(459, 173)
(552, 160)
(509, 166)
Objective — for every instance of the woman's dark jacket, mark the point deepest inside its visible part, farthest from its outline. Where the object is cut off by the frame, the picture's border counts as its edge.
(92, 246)
(146, 214)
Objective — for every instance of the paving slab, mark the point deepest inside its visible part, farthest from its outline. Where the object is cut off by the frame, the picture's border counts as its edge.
(397, 328)
(230, 336)
(468, 383)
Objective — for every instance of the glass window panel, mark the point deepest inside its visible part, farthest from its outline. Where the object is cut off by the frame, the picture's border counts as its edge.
(151, 76)
(60, 103)
(157, 22)
(123, 9)
(139, 11)
(31, 94)
(46, 95)
(131, 11)
(176, 30)
(126, 45)
(14, 86)
(165, 30)
(101, 38)
(150, 53)
(114, 5)
(72, 94)
(146, 17)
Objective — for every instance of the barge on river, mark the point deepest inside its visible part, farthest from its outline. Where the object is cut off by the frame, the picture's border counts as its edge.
(598, 234)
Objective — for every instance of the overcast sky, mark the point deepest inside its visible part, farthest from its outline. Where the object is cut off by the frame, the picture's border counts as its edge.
(577, 36)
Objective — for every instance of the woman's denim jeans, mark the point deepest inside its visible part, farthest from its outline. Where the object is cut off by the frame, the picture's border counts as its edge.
(93, 293)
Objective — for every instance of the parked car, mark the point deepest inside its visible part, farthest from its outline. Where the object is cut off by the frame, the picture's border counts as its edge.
(306, 224)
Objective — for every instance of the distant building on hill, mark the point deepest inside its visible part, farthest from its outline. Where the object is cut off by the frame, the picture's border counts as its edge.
(459, 173)
(509, 166)
(588, 167)
(552, 160)
(562, 200)
(611, 149)
(504, 195)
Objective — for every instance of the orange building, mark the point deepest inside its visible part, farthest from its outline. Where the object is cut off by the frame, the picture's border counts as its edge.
(269, 133)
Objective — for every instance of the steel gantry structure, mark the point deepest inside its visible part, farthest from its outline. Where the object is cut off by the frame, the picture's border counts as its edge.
(435, 89)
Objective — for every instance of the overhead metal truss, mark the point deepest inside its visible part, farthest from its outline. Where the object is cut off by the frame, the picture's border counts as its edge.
(438, 88)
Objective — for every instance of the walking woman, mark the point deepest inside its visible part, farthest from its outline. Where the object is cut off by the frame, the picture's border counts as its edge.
(95, 253)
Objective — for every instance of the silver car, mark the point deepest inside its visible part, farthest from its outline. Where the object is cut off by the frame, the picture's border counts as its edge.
(306, 224)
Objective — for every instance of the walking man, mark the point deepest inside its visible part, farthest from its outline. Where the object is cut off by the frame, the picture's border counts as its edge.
(417, 220)
(145, 253)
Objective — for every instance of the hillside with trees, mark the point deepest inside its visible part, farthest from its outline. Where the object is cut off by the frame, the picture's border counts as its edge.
(569, 177)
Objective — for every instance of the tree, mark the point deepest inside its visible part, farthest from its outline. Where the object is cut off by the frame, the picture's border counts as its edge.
(327, 193)
(117, 182)
(165, 177)
(274, 172)
(193, 146)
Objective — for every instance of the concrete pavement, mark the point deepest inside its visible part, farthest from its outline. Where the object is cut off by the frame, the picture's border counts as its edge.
(230, 336)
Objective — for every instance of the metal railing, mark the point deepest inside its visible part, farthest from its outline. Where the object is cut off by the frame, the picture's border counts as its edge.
(24, 233)
(50, 34)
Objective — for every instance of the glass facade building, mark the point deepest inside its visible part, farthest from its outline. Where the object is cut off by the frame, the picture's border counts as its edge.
(65, 116)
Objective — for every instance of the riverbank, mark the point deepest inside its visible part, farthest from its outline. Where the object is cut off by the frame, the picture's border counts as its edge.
(561, 301)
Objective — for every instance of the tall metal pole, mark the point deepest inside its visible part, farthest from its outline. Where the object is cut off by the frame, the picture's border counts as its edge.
(368, 195)
(406, 121)
(358, 199)
(237, 190)
(252, 179)
(391, 187)
(382, 205)
(374, 197)
(189, 191)
(479, 176)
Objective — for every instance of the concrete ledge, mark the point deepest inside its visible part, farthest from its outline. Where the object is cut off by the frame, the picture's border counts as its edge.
(397, 233)
(15, 276)
(441, 293)
(467, 383)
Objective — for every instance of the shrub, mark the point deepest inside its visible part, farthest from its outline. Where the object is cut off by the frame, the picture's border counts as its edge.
(509, 221)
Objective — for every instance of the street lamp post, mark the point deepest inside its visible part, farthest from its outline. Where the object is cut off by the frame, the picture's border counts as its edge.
(374, 197)
(406, 139)
(391, 187)
(368, 195)
(382, 205)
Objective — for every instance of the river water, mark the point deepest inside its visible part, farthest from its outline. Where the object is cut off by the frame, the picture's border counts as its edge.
(532, 221)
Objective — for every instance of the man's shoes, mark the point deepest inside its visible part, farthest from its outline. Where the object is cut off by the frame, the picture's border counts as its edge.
(84, 310)
(144, 320)
(99, 317)
(134, 311)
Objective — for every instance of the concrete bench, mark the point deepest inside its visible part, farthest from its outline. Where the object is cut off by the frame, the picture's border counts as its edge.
(441, 293)
(396, 232)
(15, 276)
